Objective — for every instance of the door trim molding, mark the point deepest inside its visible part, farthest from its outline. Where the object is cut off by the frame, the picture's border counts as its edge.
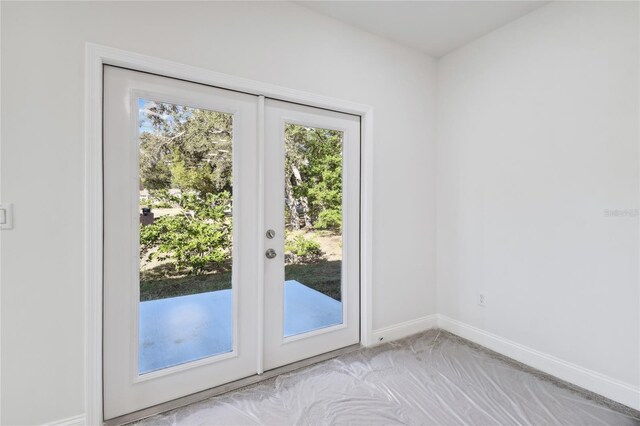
(95, 57)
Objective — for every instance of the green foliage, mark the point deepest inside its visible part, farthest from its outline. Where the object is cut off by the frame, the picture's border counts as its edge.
(316, 155)
(303, 249)
(190, 149)
(329, 219)
(154, 172)
(158, 199)
(198, 239)
(196, 177)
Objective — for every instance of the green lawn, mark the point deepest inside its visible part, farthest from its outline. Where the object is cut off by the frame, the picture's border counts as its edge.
(322, 276)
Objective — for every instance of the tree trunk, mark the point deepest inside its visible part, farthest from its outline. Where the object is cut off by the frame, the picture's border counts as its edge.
(305, 210)
(303, 200)
(294, 219)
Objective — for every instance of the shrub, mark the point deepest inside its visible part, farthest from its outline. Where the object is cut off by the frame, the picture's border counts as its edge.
(303, 249)
(329, 219)
(197, 238)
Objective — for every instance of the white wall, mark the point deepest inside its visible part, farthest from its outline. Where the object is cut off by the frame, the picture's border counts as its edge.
(538, 137)
(42, 158)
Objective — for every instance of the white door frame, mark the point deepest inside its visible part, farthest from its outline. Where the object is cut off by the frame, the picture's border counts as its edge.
(95, 57)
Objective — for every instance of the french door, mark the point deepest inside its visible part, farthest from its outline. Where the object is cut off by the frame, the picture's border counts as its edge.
(300, 321)
(226, 254)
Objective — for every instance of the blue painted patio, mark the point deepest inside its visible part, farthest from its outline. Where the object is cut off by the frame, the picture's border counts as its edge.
(180, 329)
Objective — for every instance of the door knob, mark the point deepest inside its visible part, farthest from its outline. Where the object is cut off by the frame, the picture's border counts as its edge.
(270, 253)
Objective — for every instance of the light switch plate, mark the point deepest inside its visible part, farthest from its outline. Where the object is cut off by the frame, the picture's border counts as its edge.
(6, 216)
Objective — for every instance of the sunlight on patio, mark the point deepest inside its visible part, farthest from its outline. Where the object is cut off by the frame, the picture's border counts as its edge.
(181, 329)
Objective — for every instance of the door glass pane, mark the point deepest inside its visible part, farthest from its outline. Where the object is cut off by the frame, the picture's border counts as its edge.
(313, 224)
(185, 234)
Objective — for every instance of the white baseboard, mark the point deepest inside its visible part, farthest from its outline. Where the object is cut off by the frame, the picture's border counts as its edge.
(404, 329)
(78, 420)
(601, 384)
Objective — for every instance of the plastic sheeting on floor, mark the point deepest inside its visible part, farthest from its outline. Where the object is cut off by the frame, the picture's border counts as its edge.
(430, 379)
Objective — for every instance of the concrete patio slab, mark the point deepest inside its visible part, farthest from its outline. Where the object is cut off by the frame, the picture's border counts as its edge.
(306, 309)
(181, 329)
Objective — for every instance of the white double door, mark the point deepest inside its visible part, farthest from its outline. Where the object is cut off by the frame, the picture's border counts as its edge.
(231, 236)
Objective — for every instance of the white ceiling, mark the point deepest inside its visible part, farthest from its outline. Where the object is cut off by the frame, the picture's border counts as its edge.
(434, 27)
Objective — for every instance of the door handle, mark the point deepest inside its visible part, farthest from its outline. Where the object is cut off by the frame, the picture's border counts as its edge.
(270, 253)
